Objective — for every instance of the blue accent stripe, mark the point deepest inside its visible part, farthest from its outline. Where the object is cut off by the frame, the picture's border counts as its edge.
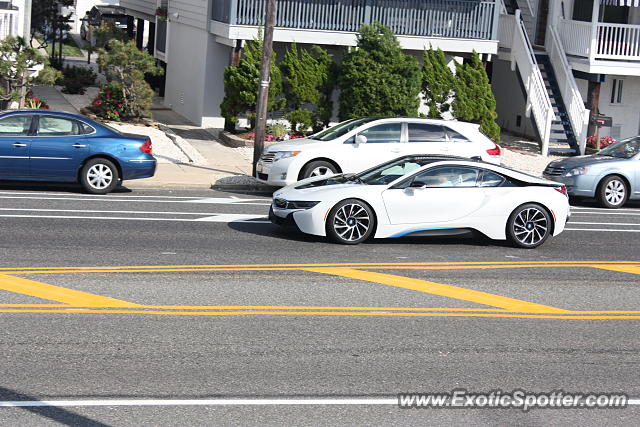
(404, 233)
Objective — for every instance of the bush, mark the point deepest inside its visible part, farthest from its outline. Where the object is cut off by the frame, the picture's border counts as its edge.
(377, 79)
(605, 141)
(110, 103)
(35, 103)
(76, 79)
(437, 83)
(277, 129)
(301, 120)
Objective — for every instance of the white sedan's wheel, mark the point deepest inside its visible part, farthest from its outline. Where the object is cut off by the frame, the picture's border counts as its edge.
(99, 176)
(612, 192)
(350, 222)
(529, 226)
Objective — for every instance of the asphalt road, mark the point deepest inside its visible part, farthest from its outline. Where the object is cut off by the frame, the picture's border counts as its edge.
(138, 299)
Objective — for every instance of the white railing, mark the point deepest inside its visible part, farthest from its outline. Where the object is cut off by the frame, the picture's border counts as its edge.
(578, 115)
(618, 41)
(8, 23)
(575, 36)
(538, 100)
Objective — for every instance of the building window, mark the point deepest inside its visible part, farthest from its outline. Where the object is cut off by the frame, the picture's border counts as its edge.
(616, 91)
(615, 132)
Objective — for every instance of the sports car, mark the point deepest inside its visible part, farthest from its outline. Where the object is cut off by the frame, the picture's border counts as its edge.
(425, 196)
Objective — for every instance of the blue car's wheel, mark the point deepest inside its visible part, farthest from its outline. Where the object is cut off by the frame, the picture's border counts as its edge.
(99, 176)
(612, 192)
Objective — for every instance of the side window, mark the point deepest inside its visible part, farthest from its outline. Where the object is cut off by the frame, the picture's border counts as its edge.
(491, 179)
(388, 132)
(454, 176)
(455, 136)
(423, 132)
(15, 125)
(85, 129)
(58, 126)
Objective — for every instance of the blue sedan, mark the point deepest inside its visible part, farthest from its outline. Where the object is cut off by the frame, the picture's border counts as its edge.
(41, 145)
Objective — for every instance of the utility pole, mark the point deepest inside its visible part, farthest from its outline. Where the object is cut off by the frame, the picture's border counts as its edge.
(265, 73)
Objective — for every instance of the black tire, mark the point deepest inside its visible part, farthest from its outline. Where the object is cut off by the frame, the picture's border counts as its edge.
(529, 226)
(318, 168)
(613, 192)
(99, 176)
(350, 222)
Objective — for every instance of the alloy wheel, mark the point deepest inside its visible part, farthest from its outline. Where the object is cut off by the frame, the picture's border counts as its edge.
(351, 222)
(321, 170)
(615, 192)
(100, 176)
(530, 226)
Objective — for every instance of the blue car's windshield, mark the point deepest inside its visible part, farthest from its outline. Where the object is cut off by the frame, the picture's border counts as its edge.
(340, 129)
(624, 149)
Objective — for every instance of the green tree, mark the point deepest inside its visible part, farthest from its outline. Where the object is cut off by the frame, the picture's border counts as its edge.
(437, 83)
(126, 65)
(474, 100)
(47, 20)
(241, 84)
(377, 78)
(308, 79)
(17, 60)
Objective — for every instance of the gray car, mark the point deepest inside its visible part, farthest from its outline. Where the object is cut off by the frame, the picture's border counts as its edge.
(612, 175)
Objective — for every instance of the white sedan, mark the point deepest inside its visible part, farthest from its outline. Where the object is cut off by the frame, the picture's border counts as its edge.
(358, 144)
(425, 195)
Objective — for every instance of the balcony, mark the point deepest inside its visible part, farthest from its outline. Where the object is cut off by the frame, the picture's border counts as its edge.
(614, 48)
(469, 20)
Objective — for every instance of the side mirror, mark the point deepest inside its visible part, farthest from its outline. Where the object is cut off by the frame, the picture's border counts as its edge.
(361, 139)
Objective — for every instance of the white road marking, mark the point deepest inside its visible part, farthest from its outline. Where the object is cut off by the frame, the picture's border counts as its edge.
(601, 229)
(605, 223)
(108, 211)
(225, 200)
(602, 209)
(31, 193)
(388, 401)
(255, 202)
(253, 219)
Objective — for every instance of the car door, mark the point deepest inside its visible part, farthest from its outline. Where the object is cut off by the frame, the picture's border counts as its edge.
(426, 138)
(383, 144)
(15, 141)
(441, 194)
(58, 148)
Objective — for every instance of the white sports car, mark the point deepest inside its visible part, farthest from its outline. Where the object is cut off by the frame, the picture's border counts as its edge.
(425, 195)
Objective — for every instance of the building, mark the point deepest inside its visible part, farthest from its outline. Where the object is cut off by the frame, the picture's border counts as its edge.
(549, 59)
(15, 18)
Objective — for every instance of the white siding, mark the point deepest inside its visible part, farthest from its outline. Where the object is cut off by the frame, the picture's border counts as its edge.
(145, 6)
(190, 12)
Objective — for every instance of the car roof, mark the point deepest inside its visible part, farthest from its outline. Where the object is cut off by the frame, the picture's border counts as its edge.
(41, 111)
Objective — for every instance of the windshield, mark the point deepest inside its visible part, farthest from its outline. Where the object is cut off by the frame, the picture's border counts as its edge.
(340, 129)
(388, 172)
(624, 149)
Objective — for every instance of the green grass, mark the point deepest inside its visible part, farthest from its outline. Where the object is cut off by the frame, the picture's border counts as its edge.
(69, 48)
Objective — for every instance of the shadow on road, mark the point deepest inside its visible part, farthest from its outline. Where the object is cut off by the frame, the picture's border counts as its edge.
(54, 413)
(49, 186)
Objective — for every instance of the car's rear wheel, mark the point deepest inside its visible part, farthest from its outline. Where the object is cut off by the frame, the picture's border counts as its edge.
(612, 192)
(99, 176)
(350, 222)
(318, 168)
(529, 226)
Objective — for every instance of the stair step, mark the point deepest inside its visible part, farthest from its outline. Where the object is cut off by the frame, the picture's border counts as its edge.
(559, 150)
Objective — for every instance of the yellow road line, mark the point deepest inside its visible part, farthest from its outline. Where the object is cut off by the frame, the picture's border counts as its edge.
(322, 313)
(59, 294)
(450, 291)
(633, 269)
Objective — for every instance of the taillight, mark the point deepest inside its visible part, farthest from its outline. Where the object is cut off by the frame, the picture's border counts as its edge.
(562, 190)
(495, 151)
(146, 147)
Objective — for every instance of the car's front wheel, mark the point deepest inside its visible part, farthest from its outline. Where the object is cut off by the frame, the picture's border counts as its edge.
(350, 222)
(99, 176)
(612, 192)
(318, 168)
(529, 226)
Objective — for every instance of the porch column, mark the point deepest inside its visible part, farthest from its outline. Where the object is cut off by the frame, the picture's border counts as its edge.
(594, 30)
(151, 43)
(139, 33)
(593, 99)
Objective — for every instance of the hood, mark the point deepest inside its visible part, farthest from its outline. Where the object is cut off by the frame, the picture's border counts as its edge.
(574, 162)
(314, 184)
(292, 145)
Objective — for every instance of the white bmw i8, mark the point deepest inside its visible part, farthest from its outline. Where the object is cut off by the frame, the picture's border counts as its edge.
(425, 195)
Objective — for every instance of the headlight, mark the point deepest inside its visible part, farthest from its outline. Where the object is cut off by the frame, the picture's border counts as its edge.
(283, 204)
(285, 155)
(577, 171)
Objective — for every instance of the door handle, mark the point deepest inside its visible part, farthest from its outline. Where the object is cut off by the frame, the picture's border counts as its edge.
(19, 144)
(79, 146)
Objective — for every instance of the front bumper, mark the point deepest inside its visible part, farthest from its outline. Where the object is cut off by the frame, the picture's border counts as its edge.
(277, 174)
(577, 186)
(309, 221)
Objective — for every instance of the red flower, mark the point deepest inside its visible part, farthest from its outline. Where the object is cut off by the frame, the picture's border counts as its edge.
(97, 103)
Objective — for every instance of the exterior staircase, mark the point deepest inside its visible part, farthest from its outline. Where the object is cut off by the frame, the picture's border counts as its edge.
(562, 140)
